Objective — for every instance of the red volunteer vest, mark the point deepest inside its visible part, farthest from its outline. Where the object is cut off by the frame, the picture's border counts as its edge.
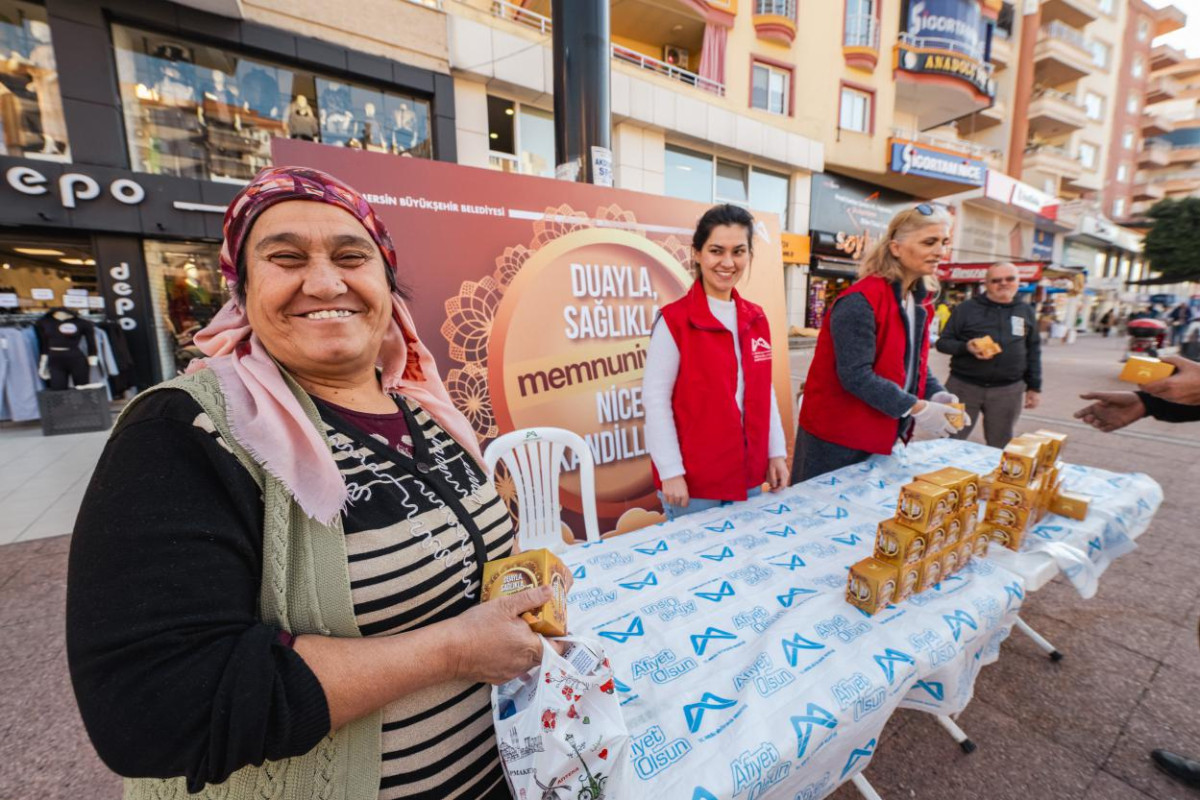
(832, 413)
(722, 456)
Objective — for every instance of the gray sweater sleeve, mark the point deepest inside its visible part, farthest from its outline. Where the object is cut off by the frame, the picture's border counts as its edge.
(853, 329)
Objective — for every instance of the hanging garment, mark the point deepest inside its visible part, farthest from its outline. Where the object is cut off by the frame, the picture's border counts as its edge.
(19, 382)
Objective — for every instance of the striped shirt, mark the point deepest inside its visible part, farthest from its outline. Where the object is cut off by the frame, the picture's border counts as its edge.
(418, 528)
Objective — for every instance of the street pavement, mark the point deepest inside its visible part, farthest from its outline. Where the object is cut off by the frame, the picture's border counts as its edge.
(1079, 729)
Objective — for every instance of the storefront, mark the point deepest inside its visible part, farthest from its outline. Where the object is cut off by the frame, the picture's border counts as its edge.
(848, 216)
(115, 184)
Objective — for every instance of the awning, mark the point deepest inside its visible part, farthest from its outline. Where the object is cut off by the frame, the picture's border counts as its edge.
(829, 267)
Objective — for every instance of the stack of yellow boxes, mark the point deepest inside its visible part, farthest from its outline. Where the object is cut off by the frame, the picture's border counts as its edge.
(1027, 484)
(932, 536)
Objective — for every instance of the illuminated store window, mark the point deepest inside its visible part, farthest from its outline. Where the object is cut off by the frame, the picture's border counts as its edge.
(196, 111)
(520, 138)
(31, 110)
(186, 291)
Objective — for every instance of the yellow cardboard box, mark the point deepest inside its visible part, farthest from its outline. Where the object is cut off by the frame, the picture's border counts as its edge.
(931, 572)
(963, 485)
(1059, 441)
(910, 579)
(899, 544)
(525, 571)
(923, 506)
(1140, 369)
(1069, 505)
(871, 585)
(1006, 516)
(1019, 463)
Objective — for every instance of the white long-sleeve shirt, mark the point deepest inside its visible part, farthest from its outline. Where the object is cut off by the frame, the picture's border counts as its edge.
(658, 386)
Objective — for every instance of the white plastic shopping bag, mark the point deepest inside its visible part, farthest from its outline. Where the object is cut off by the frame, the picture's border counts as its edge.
(560, 730)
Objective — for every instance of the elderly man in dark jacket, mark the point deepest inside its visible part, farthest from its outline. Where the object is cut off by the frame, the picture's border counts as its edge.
(994, 386)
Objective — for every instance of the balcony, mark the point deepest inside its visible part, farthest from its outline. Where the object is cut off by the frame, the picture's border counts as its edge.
(1061, 55)
(1185, 155)
(1053, 113)
(1076, 13)
(1161, 87)
(1142, 208)
(775, 21)
(1154, 154)
(1168, 19)
(1148, 189)
(667, 28)
(1052, 160)
(1087, 181)
(860, 44)
(983, 119)
(1156, 125)
(940, 79)
(1178, 184)
(1002, 52)
(1164, 55)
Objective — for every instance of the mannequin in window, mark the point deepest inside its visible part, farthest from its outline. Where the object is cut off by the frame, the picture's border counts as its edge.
(301, 122)
(404, 129)
(221, 99)
(44, 83)
(60, 332)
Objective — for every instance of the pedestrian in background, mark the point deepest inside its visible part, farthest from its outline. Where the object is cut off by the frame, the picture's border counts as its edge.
(1106, 323)
(1178, 319)
(996, 386)
(870, 382)
(712, 423)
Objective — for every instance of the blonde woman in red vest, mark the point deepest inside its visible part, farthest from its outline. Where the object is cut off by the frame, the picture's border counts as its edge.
(870, 383)
(712, 423)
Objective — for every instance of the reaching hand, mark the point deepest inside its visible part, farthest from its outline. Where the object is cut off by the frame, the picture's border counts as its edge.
(1182, 387)
(1111, 410)
(777, 473)
(1032, 398)
(675, 491)
(933, 421)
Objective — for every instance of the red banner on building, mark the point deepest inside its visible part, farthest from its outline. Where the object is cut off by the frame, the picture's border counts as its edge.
(1029, 271)
(537, 297)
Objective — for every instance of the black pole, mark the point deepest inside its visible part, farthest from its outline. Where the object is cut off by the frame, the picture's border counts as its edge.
(582, 113)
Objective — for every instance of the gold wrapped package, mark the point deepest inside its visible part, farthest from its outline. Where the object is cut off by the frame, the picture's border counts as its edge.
(871, 585)
(526, 571)
(963, 485)
(1069, 505)
(923, 506)
(898, 544)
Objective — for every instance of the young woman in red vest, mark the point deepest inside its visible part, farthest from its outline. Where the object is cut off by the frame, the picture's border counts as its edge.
(712, 423)
(869, 383)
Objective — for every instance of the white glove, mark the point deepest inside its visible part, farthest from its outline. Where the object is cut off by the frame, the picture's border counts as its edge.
(44, 368)
(931, 421)
(945, 397)
(93, 360)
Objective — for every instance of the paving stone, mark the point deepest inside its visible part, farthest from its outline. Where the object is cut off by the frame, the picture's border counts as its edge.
(1166, 718)
(37, 591)
(1108, 787)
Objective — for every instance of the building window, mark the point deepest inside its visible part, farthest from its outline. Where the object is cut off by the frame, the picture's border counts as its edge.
(862, 27)
(1131, 104)
(31, 107)
(781, 8)
(1118, 208)
(1139, 66)
(1143, 29)
(769, 192)
(856, 111)
(1101, 52)
(1127, 139)
(701, 177)
(1093, 105)
(1122, 173)
(520, 138)
(196, 111)
(689, 175)
(1106, 6)
(771, 90)
(1087, 155)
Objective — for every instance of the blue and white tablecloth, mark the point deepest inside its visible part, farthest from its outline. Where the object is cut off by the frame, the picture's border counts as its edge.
(742, 670)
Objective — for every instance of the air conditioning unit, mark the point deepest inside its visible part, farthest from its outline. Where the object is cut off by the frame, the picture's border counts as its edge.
(675, 56)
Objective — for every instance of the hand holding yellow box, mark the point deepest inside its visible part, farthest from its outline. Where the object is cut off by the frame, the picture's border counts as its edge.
(528, 570)
(1139, 369)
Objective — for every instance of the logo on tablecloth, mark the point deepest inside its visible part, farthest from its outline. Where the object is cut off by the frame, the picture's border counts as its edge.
(661, 547)
(726, 590)
(856, 755)
(888, 659)
(634, 630)
(725, 553)
(788, 600)
(813, 717)
(650, 580)
(957, 620)
(694, 712)
(792, 648)
(700, 640)
(794, 564)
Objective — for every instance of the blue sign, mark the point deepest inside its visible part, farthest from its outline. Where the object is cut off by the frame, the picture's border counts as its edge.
(1043, 245)
(913, 159)
(947, 37)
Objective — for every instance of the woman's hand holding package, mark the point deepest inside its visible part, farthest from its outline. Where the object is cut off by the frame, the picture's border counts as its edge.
(493, 644)
(933, 420)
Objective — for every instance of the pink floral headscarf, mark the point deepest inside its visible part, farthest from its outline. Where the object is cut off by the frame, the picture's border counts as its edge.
(264, 416)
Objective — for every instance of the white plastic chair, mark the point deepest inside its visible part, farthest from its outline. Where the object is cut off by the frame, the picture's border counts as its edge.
(533, 457)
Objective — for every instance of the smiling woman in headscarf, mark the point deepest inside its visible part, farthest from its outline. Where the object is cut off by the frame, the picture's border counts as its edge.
(274, 577)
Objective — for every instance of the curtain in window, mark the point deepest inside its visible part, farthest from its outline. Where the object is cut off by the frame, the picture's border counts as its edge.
(712, 54)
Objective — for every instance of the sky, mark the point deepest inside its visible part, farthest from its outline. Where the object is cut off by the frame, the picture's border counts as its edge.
(1187, 38)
